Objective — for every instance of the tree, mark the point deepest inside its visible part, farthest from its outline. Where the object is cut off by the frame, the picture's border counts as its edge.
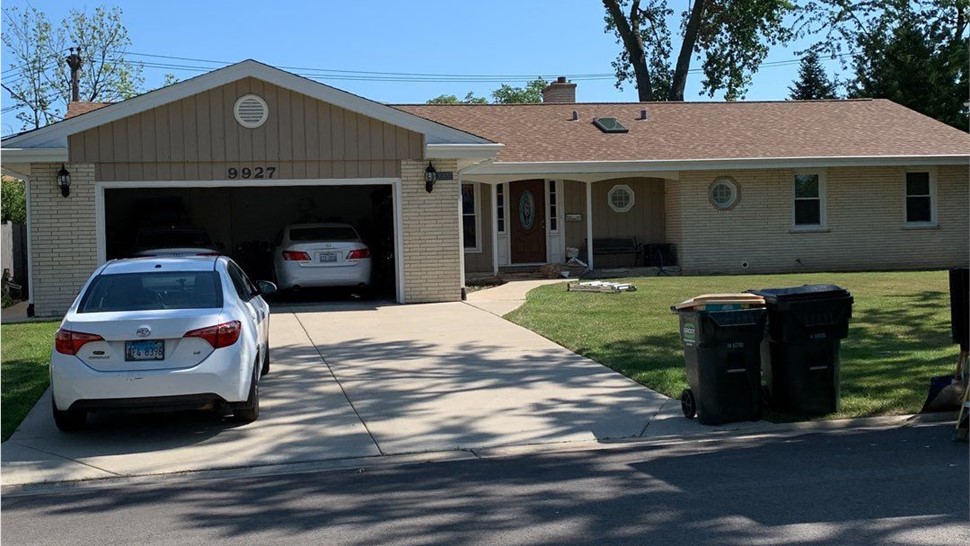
(913, 52)
(506, 94)
(41, 81)
(731, 38)
(13, 201)
(812, 83)
(470, 98)
(531, 93)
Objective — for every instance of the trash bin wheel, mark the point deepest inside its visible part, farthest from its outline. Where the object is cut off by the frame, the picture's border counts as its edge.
(688, 404)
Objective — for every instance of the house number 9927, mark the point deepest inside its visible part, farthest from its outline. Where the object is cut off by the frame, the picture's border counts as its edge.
(246, 172)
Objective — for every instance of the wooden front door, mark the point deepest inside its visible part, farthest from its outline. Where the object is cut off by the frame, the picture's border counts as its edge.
(528, 221)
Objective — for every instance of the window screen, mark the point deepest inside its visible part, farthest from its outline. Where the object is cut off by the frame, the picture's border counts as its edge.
(919, 205)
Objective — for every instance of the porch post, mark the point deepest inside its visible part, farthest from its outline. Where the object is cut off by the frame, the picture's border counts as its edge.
(494, 190)
(589, 224)
(461, 236)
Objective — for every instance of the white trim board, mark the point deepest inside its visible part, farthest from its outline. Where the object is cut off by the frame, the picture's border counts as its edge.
(55, 135)
(395, 183)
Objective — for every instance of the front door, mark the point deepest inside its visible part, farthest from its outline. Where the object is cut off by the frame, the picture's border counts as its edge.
(528, 221)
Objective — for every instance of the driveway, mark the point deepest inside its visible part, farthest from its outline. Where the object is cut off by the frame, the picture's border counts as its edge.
(358, 380)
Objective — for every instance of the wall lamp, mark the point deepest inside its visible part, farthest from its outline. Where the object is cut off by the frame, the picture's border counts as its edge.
(64, 181)
(430, 177)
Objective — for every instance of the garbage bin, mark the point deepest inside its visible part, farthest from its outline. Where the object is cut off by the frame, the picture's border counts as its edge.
(800, 352)
(721, 335)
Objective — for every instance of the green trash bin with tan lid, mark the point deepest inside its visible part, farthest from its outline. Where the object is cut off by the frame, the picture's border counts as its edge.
(721, 335)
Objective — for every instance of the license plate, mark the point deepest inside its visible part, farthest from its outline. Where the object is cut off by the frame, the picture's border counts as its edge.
(328, 257)
(144, 350)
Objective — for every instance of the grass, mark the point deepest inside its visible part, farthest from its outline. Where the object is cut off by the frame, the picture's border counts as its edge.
(25, 352)
(899, 335)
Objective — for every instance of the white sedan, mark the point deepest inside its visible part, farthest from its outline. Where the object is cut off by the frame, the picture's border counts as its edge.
(321, 255)
(162, 334)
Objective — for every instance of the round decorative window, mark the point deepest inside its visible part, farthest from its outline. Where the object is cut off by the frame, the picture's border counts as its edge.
(251, 111)
(724, 193)
(621, 198)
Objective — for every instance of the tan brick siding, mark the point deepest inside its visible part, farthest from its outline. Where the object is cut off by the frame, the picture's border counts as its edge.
(431, 247)
(864, 230)
(63, 241)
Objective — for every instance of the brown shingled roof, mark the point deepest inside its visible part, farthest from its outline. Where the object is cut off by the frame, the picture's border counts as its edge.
(703, 130)
(78, 108)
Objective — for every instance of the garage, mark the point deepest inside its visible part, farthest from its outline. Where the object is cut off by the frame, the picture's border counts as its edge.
(246, 222)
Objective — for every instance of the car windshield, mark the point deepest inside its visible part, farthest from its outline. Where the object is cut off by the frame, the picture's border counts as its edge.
(174, 239)
(150, 291)
(323, 233)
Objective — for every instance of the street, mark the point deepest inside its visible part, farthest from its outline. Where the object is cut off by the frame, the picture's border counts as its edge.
(906, 485)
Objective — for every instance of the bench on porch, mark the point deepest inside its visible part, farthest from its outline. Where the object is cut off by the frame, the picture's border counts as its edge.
(614, 246)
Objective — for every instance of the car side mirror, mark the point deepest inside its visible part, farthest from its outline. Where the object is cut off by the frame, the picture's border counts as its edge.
(266, 288)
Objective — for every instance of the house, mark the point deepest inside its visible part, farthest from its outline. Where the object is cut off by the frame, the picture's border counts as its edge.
(733, 187)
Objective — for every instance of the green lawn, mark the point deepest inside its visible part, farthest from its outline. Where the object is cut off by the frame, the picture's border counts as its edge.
(899, 335)
(25, 350)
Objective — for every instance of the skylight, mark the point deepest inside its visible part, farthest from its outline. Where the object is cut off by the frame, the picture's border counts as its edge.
(609, 125)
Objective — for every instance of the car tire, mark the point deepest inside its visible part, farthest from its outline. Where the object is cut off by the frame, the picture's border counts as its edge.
(68, 420)
(265, 368)
(250, 411)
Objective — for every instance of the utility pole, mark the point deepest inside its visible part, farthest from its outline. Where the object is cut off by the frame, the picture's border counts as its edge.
(74, 61)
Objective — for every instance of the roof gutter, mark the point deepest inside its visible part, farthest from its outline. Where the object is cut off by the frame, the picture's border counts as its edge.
(593, 167)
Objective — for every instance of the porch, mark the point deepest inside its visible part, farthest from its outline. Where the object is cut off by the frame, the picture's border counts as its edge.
(515, 225)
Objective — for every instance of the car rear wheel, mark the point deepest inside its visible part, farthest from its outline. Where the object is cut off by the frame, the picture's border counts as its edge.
(265, 369)
(68, 420)
(250, 411)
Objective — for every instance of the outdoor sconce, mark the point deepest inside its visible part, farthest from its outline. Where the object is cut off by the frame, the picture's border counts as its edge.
(430, 177)
(64, 181)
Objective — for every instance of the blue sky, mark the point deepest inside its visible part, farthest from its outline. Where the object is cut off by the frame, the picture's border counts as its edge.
(507, 40)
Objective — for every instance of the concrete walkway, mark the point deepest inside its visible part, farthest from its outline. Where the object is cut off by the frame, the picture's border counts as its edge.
(508, 297)
(363, 380)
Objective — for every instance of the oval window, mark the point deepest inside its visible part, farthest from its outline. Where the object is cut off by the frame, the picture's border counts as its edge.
(527, 210)
(723, 193)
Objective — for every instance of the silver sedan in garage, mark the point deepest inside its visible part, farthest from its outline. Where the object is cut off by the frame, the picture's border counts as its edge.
(321, 255)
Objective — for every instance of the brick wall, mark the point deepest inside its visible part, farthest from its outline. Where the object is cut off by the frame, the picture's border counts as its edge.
(432, 271)
(63, 241)
(864, 231)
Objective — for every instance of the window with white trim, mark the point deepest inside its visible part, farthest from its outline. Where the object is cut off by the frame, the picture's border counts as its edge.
(500, 207)
(621, 198)
(469, 216)
(723, 193)
(920, 197)
(809, 203)
(553, 207)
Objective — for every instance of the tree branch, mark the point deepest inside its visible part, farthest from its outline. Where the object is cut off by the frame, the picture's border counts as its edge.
(687, 50)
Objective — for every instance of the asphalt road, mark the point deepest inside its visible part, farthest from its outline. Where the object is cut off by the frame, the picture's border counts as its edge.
(900, 486)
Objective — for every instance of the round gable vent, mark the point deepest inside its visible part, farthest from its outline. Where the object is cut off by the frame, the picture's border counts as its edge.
(251, 111)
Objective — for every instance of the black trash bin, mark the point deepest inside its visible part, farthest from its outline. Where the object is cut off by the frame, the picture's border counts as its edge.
(800, 352)
(721, 351)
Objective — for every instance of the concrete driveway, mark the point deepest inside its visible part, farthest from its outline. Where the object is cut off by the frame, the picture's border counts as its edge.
(358, 380)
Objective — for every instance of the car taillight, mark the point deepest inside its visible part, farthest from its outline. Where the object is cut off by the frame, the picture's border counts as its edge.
(69, 343)
(220, 335)
(295, 256)
(358, 254)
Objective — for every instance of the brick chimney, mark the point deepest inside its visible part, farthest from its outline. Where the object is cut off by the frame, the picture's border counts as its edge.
(559, 91)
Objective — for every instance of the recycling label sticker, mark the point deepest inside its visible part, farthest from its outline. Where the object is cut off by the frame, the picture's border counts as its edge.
(689, 333)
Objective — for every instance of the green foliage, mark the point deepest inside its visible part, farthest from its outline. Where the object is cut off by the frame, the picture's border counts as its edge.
(895, 341)
(531, 93)
(470, 98)
(507, 94)
(812, 83)
(13, 201)
(731, 38)
(40, 80)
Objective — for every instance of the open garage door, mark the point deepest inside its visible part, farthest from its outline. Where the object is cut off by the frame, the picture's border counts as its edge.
(246, 222)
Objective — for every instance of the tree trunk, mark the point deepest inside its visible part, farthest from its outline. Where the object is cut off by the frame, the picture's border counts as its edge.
(686, 51)
(629, 31)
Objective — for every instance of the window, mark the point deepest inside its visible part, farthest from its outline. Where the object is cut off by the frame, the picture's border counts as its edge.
(609, 125)
(151, 291)
(500, 206)
(621, 198)
(244, 287)
(469, 216)
(553, 207)
(723, 193)
(920, 192)
(809, 201)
